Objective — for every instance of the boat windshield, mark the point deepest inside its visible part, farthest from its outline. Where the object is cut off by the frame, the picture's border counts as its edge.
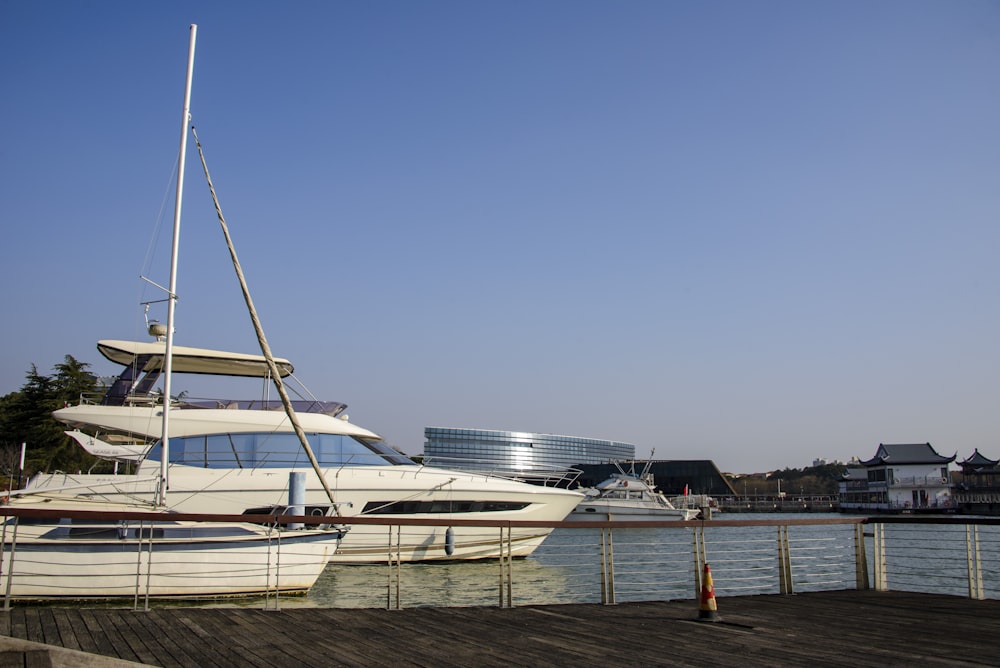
(269, 450)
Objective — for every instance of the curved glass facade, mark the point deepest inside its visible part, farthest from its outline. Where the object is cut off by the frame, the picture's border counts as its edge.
(517, 451)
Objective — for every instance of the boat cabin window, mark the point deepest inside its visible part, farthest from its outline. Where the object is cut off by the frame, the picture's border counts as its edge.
(415, 507)
(267, 450)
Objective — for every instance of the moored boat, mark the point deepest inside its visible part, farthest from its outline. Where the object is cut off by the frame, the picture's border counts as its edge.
(625, 497)
(231, 456)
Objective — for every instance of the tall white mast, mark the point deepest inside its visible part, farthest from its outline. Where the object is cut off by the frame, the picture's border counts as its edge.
(172, 287)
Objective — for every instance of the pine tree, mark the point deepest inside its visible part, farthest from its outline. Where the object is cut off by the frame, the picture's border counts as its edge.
(26, 417)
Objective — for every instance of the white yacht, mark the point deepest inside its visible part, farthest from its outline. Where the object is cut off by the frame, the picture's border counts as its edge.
(232, 457)
(625, 497)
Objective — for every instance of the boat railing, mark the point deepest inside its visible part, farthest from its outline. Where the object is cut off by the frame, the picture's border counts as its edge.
(617, 562)
(539, 475)
(331, 408)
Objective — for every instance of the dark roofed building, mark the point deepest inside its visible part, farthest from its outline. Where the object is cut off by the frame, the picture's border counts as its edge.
(979, 492)
(907, 453)
(905, 477)
(978, 463)
(853, 488)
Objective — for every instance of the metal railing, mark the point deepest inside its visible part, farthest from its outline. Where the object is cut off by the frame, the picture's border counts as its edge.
(615, 562)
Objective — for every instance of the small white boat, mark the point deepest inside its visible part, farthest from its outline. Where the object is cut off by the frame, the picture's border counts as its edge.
(705, 505)
(92, 557)
(625, 497)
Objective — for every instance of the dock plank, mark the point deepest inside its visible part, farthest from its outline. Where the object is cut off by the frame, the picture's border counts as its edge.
(854, 628)
(143, 644)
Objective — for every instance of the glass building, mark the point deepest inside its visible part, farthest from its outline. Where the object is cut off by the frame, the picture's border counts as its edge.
(517, 451)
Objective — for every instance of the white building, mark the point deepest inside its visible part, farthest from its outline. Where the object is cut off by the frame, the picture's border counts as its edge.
(901, 478)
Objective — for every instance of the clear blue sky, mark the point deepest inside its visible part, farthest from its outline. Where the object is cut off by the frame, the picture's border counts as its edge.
(755, 232)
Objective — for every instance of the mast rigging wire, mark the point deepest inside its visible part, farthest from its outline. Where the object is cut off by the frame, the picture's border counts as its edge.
(258, 328)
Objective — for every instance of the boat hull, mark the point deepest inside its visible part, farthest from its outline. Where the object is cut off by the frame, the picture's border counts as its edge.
(623, 513)
(49, 562)
(357, 490)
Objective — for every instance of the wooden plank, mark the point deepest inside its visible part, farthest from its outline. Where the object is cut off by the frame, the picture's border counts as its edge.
(32, 627)
(99, 623)
(50, 629)
(82, 638)
(173, 641)
(16, 627)
(202, 641)
(67, 631)
(142, 643)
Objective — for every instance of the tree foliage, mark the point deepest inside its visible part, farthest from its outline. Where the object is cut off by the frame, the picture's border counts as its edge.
(26, 417)
(810, 481)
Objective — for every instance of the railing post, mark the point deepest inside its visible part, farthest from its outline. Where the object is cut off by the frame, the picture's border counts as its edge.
(123, 530)
(607, 567)
(510, 567)
(881, 579)
(784, 561)
(10, 560)
(974, 562)
(277, 570)
(500, 585)
(267, 578)
(700, 559)
(860, 559)
(506, 569)
(394, 573)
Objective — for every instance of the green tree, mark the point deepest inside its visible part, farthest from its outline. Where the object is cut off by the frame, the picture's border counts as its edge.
(26, 417)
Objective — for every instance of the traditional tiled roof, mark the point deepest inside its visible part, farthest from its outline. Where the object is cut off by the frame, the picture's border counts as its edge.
(855, 473)
(979, 461)
(907, 453)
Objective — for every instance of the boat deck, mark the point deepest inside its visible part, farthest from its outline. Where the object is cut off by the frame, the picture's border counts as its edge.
(856, 628)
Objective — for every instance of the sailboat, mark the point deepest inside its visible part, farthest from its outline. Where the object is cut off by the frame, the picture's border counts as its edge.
(54, 544)
(233, 456)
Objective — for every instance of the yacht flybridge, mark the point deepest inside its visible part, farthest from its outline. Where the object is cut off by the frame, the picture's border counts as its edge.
(232, 456)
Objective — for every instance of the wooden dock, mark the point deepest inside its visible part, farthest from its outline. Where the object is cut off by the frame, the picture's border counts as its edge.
(855, 628)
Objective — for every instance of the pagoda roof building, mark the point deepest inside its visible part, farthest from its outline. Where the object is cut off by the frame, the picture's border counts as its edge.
(907, 453)
(977, 462)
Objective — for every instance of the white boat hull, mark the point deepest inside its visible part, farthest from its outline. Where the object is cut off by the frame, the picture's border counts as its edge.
(357, 489)
(47, 562)
(622, 512)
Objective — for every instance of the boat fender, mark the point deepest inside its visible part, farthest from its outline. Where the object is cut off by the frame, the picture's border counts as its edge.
(449, 541)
